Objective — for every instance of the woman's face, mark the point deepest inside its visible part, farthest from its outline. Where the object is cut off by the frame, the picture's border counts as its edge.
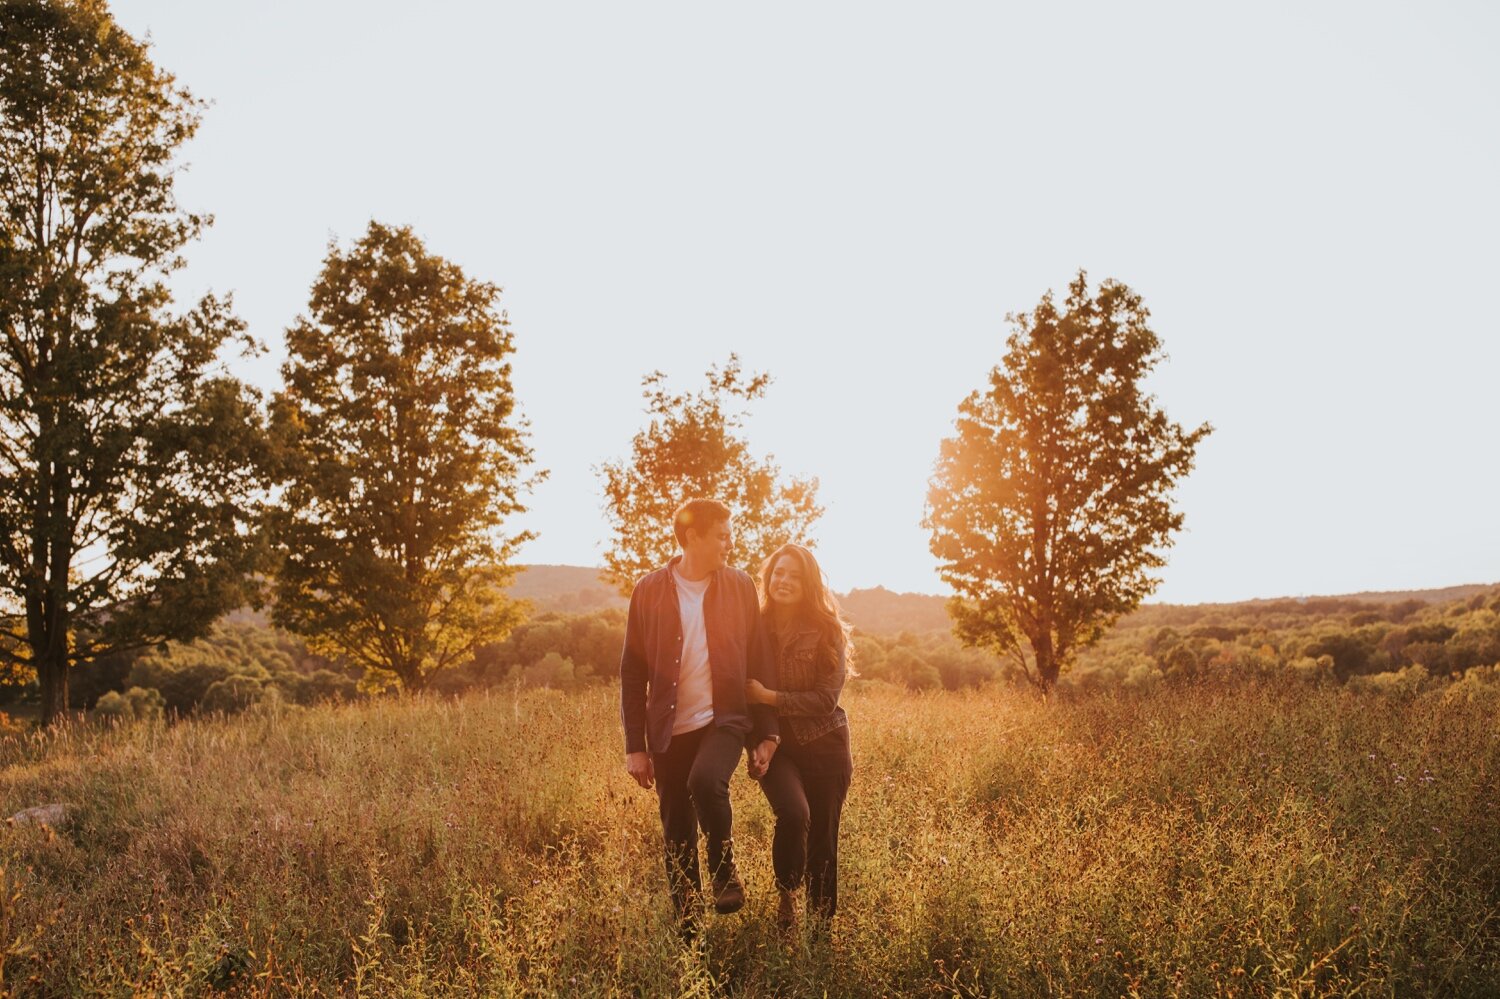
(787, 582)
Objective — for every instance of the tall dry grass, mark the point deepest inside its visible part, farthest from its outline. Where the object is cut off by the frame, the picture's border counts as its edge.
(1256, 841)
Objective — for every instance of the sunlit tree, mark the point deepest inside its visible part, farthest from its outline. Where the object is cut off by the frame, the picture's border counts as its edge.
(130, 461)
(691, 448)
(1050, 507)
(405, 457)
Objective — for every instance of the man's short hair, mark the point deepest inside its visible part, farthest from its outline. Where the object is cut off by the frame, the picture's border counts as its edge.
(700, 515)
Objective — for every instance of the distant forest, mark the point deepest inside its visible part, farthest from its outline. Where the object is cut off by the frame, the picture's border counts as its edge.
(571, 589)
(1445, 641)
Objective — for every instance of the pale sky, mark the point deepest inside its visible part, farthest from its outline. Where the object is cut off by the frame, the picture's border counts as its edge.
(852, 197)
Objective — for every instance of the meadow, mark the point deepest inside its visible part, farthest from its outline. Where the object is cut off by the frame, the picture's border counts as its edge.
(1215, 840)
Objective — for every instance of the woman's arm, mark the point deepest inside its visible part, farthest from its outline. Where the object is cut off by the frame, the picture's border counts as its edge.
(824, 696)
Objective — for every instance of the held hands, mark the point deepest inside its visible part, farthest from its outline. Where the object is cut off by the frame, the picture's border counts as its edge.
(638, 766)
(759, 760)
(760, 757)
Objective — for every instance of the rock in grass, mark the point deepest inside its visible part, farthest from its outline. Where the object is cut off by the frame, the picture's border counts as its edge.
(55, 815)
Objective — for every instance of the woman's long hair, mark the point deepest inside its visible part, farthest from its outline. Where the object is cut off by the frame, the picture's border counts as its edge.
(819, 605)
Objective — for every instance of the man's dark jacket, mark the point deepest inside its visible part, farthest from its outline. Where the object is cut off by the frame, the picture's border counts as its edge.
(737, 650)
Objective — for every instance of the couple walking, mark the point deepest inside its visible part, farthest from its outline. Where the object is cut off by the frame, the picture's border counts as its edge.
(709, 670)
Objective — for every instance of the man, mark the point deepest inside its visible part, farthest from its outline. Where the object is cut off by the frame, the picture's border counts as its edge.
(693, 639)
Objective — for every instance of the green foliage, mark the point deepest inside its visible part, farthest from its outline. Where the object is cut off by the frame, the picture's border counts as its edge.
(132, 460)
(554, 671)
(1050, 505)
(184, 674)
(1386, 647)
(925, 661)
(1478, 685)
(238, 658)
(691, 449)
(318, 686)
(1269, 839)
(136, 704)
(550, 650)
(1164, 648)
(234, 694)
(405, 457)
(1407, 683)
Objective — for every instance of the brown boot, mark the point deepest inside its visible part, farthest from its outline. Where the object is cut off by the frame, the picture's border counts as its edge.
(729, 894)
(682, 880)
(786, 911)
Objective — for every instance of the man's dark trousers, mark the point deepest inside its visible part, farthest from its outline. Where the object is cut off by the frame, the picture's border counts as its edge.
(692, 784)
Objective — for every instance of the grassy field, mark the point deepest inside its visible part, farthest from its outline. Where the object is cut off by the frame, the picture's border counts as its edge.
(1251, 841)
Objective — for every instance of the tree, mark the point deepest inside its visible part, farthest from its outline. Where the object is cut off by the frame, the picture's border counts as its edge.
(1050, 506)
(691, 449)
(130, 462)
(406, 454)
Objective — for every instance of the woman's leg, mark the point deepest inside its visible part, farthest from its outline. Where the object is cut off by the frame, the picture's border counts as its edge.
(826, 790)
(782, 785)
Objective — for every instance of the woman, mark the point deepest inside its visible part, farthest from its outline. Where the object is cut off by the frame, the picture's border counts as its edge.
(808, 775)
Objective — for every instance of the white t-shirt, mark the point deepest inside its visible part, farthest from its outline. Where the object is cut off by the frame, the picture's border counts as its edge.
(695, 691)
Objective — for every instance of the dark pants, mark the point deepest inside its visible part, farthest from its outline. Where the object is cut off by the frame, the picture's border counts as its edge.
(806, 786)
(692, 784)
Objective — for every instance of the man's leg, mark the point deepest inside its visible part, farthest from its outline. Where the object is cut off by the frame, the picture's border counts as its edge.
(679, 823)
(708, 783)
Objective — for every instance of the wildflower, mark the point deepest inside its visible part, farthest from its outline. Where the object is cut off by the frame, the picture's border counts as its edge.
(1353, 910)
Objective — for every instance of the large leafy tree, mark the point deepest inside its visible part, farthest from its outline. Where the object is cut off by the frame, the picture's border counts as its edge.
(405, 456)
(1050, 507)
(692, 448)
(130, 461)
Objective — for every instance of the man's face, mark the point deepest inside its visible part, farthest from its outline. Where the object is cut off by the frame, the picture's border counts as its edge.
(711, 546)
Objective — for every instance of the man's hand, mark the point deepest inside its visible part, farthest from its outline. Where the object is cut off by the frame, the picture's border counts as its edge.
(760, 757)
(758, 693)
(638, 765)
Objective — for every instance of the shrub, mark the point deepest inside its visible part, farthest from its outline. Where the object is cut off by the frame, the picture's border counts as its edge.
(1480, 684)
(233, 694)
(552, 670)
(136, 704)
(1405, 683)
(1143, 678)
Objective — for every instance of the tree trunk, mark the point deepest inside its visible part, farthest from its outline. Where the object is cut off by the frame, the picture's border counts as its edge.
(52, 673)
(1046, 672)
(50, 651)
(48, 617)
(409, 672)
(1048, 665)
